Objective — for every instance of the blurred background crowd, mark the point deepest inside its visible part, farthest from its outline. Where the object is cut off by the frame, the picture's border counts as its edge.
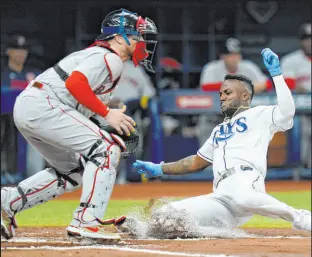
(199, 42)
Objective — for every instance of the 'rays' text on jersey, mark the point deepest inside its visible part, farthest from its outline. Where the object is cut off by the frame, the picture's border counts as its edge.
(228, 130)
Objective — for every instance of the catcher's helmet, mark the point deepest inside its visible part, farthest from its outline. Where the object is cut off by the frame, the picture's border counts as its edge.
(123, 22)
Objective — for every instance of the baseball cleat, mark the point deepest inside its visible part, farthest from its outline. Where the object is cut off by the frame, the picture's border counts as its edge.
(95, 232)
(8, 225)
(303, 222)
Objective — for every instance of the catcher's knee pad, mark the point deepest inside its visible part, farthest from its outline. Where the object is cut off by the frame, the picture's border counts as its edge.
(127, 143)
(106, 152)
(41, 187)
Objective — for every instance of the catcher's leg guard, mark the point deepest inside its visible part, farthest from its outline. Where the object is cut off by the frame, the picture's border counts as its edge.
(39, 188)
(98, 182)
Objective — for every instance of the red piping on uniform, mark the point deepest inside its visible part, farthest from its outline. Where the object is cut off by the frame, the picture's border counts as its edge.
(79, 121)
(109, 69)
(93, 186)
(65, 185)
(38, 190)
(116, 139)
(104, 166)
(48, 97)
(105, 138)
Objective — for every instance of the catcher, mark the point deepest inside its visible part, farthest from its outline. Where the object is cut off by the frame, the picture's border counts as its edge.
(53, 113)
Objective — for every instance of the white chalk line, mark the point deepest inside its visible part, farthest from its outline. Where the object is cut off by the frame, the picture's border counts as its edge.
(214, 238)
(41, 240)
(118, 248)
(126, 248)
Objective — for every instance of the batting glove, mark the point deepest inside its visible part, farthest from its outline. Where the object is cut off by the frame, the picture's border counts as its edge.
(149, 169)
(271, 62)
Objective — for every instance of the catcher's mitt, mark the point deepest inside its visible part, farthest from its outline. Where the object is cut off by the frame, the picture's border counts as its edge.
(131, 142)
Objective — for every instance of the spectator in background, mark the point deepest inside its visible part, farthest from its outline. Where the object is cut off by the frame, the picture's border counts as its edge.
(134, 84)
(296, 67)
(134, 89)
(231, 62)
(213, 74)
(16, 74)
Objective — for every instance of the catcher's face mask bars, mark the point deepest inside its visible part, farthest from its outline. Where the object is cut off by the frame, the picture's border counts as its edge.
(145, 33)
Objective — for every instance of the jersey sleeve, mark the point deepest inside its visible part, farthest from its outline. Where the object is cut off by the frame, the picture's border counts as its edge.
(100, 67)
(271, 115)
(206, 151)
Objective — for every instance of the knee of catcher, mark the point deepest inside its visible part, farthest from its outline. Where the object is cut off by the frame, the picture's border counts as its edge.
(106, 152)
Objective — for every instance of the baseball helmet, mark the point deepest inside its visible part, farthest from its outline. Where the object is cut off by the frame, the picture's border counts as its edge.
(123, 22)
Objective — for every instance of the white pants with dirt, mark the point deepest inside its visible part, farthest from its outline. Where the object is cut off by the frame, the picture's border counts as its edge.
(235, 200)
(77, 150)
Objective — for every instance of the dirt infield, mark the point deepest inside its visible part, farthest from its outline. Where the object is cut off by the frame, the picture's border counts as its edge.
(48, 242)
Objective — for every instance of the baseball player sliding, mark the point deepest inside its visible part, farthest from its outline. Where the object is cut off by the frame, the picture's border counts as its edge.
(53, 113)
(237, 149)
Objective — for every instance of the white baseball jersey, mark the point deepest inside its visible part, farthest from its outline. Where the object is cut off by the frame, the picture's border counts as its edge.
(101, 67)
(215, 72)
(243, 140)
(133, 84)
(297, 66)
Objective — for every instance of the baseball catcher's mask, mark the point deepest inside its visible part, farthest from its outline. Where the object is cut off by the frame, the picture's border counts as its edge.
(143, 30)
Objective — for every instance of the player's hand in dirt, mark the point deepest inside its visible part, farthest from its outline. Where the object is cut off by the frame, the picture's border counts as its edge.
(120, 121)
(149, 169)
(271, 62)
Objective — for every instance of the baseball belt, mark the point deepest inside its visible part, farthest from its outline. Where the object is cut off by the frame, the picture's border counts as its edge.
(230, 172)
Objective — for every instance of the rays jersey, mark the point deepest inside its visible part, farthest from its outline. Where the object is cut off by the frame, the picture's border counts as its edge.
(243, 140)
(101, 67)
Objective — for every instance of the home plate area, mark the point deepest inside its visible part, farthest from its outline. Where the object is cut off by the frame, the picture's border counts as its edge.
(48, 242)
